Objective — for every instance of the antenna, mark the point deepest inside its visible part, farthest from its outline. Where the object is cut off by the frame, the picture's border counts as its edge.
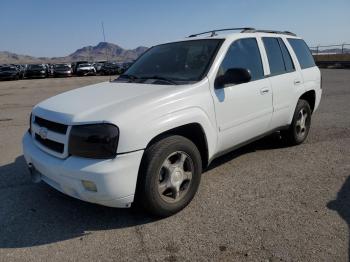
(104, 40)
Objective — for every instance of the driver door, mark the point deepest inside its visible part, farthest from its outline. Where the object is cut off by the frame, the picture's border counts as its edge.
(243, 111)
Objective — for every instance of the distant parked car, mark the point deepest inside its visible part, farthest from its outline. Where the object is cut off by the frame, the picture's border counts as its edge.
(98, 66)
(50, 70)
(62, 70)
(110, 69)
(85, 69)
(20, 69)
(36, 71)
(9, 73)
(75, 65)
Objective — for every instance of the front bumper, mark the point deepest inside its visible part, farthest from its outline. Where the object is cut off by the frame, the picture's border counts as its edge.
(57, 74)
(35, 75)
(86, 72)
(115, 179)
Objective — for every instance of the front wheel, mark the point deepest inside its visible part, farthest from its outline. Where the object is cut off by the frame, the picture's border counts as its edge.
(300, 126)
(169, 176)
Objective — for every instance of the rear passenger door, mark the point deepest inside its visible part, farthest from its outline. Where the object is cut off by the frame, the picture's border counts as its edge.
(284, 80)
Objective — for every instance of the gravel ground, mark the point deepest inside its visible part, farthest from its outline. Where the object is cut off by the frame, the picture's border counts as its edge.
(263, 202)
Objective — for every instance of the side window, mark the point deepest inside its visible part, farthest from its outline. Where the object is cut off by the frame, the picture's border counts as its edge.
(288, 62)
(274, 55)
(244, 53)
(302, 52)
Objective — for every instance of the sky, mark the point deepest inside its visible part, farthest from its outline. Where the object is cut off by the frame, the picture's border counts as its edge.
(58, 28)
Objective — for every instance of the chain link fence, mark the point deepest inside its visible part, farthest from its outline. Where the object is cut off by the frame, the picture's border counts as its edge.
(332, 56)
(331, 49)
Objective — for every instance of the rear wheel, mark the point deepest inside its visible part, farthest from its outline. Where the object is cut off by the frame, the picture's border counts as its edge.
(169, 176)
(299, 129)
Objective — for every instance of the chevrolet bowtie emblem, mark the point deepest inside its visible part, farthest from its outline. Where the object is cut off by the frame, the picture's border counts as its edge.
(43, 132)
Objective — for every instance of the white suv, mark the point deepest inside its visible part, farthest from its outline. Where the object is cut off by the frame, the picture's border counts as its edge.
(147, 135)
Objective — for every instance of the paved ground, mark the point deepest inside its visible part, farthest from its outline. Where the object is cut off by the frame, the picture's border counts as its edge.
(264, 202)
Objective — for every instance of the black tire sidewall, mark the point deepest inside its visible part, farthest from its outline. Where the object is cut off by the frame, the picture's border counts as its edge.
(152, 162)
(302, 104)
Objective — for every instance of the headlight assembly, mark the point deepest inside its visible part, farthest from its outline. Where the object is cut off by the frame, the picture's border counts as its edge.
(94, 141)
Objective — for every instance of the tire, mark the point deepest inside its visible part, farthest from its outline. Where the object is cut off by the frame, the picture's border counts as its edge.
(163, 187)
(297, 131)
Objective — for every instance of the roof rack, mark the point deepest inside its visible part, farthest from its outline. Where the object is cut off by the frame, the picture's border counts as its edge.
(269, 31)
(213, 32)
(244, 30)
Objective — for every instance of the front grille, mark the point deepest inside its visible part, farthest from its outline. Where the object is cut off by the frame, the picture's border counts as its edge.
(53, 126)
(50, 136)
(53, 145)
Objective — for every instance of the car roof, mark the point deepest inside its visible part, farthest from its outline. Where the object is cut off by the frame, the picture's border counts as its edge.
(226, 35)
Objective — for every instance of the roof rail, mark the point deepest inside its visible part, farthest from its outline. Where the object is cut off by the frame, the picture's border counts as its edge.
(213, 32)
(269, 31)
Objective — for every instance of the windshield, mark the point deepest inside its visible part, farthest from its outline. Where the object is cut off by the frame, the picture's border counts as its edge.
(62, 66)
(185, 61)
(36, 67)
(8, 68)
(84, 65)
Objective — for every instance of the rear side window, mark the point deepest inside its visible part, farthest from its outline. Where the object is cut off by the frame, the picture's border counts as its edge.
(244, 53)
(274, 56)
(288, 62)
(302, 52)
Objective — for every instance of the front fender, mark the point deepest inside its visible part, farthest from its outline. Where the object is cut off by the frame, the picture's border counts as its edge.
(140, 135)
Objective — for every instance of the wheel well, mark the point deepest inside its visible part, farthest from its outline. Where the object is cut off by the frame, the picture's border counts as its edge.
(310, 97)
(193, 132)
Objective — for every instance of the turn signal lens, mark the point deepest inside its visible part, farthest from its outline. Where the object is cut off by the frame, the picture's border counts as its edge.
(89, 185)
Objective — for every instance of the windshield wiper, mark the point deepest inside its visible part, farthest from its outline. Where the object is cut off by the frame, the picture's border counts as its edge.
(131, 77)
(160, 78)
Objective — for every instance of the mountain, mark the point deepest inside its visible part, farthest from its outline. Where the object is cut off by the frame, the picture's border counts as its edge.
(90, 53)
(11, 58)
(104, 50)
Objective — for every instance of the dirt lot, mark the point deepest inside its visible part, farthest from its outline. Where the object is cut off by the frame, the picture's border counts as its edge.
(264, 202)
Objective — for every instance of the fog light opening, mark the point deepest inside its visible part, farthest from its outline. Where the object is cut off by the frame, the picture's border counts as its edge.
(89, 185)
(35, 175)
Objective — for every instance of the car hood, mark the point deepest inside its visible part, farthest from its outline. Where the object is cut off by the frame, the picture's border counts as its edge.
(100, 102)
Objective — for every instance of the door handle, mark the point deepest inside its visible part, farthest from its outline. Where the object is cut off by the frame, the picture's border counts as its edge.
(297, 82)
(264, 90)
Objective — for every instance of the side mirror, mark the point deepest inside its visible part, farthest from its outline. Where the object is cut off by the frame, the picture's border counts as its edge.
(233, 76)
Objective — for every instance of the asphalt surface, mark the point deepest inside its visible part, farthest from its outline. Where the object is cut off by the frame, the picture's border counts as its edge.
(264, 202)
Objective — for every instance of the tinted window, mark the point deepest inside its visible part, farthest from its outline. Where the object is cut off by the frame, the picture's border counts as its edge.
(244, 53)
(274, 55)
(7, 68)
(302, 52)
(41, 67)
(178, 61)
(288, 63)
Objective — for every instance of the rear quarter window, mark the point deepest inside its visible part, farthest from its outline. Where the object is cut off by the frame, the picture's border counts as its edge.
(302, 52)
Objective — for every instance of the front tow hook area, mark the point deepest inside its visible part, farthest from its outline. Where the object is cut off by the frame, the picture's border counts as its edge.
(34, 174)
